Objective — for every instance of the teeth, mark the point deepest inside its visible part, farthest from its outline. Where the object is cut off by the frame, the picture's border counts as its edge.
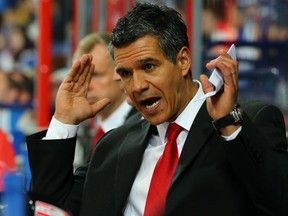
(152, 105)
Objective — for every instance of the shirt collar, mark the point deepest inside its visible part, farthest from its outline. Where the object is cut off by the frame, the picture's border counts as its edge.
(186, 118)
(117, 118)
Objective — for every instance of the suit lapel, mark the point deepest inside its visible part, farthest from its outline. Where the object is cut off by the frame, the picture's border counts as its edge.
(199, 132)
(129, 160)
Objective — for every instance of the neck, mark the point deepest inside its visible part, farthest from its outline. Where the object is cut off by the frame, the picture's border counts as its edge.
(108, 110)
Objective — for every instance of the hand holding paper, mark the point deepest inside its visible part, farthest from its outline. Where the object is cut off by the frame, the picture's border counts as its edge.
(216, 77)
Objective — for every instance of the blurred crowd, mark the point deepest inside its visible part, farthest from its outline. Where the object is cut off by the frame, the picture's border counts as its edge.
(17, 69)
(18, 63)
(245, 20)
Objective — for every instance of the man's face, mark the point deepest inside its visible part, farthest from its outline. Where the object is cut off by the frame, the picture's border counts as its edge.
(155, 85)
(102, 84)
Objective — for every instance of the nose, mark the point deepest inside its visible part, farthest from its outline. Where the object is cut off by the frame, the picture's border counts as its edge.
(139, 83)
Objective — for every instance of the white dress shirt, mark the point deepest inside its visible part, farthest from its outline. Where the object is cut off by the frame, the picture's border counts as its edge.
(116, 119)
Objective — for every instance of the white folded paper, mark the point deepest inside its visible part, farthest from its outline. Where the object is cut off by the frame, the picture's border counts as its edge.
(216, 77)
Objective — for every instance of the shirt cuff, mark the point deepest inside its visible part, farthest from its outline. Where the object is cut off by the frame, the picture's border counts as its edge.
(58, 130)
(232, 136)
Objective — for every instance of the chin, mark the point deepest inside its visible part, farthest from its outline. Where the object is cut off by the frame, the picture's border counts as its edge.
(155, 120)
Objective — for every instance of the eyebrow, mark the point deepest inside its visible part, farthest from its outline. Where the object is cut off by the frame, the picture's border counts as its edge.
(139, 63)
(147, 60)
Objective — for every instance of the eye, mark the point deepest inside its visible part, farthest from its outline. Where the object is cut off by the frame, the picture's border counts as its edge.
(149, 67)
(124, 73)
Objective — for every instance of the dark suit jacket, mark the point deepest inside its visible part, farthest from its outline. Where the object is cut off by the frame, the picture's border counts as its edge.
(247, 176)
(86, 139)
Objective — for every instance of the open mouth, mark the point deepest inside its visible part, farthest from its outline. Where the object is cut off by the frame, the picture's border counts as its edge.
(151, 103)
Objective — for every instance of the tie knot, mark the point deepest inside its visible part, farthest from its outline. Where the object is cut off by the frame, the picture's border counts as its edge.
(173, 131)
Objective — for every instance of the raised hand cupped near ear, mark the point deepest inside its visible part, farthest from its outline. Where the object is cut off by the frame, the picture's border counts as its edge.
(71, 105)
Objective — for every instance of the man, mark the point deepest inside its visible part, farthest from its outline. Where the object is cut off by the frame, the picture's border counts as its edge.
(101, 86)
(238, 169)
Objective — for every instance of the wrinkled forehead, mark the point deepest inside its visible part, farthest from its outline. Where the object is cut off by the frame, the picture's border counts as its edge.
(144, 48)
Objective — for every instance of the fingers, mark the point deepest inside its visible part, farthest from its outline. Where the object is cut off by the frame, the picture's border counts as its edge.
(80, 74)
(88, 78)
(80, 66)
(85, 72)
(228, 67)
(224, 63)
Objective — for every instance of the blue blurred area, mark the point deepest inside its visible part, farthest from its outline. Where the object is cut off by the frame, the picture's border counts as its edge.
(6, 4)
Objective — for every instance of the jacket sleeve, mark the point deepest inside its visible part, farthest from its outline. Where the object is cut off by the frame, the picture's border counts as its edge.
(51, 164)
(259, 159)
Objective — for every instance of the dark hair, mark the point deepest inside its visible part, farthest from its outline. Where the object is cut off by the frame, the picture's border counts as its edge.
(162, 22)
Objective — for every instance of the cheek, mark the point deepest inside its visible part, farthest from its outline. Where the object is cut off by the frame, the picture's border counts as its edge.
(129, 94)
(125, 86)
(169, 94)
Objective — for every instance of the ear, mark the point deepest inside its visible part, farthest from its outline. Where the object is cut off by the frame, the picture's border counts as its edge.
(184, 60)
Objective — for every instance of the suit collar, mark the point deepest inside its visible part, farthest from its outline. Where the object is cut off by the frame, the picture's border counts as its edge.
(186, 118)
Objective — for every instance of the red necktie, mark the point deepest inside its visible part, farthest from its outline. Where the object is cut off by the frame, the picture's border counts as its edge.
(98, 135)
(163, 173)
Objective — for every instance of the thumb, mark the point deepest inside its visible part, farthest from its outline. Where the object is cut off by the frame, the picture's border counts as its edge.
(206, 84)
(99, 105)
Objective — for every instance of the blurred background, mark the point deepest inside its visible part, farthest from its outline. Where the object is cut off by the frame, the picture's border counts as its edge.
(38, 37)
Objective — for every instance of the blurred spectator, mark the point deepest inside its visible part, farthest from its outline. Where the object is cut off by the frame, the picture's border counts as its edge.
(6, 59)
(17, 91)
(25, 122)
(8, 94)
(250, 20)
(102, 85)
(24, 85)
(219, 23)
(18, 51)
(209, 22)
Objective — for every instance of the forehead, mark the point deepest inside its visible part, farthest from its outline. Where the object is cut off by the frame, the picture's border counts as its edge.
(143, 48)
(101, 55)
